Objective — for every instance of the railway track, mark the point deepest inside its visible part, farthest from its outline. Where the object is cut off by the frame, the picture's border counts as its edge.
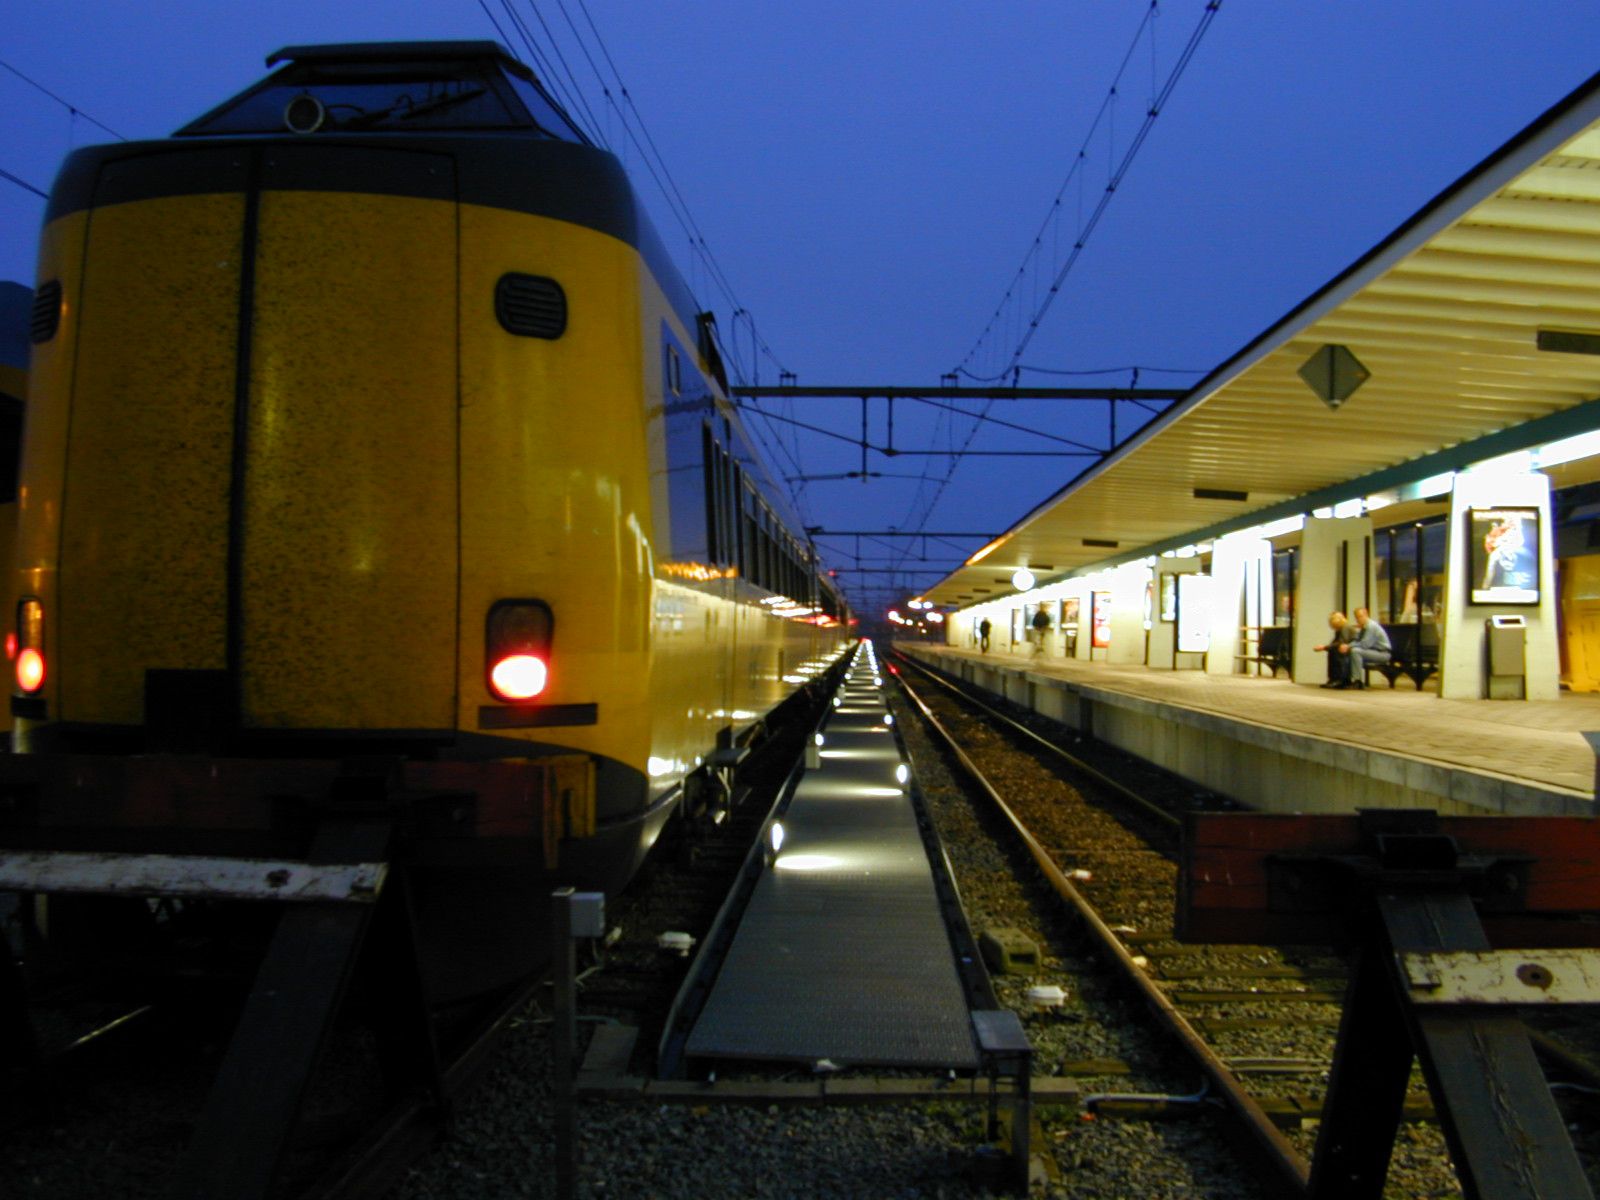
(1257, 1023)
(111, 1107)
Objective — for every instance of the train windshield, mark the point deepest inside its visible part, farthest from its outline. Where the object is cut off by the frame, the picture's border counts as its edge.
(388, 98)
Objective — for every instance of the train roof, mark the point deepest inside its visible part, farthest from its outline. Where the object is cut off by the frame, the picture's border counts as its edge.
(398, 52)
(391, 88)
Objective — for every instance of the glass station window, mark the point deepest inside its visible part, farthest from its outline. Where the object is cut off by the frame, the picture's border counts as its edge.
(1283, 572)
(1410, 572)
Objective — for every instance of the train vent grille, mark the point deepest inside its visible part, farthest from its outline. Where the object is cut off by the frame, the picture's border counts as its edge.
(530, 305)
(46, 317)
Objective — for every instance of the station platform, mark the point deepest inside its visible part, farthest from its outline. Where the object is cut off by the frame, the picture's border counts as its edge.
(1285, 747)
(842, 954)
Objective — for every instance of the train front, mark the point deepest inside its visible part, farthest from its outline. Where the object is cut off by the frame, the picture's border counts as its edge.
(305, 511)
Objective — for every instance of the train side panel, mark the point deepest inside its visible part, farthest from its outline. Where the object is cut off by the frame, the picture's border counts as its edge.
(61, 248)
(555, 488)
(690, 609)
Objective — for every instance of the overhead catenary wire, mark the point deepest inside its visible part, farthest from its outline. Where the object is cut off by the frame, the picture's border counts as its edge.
(1206, 17)
(1102, 115)
(1135, 367)
(918, 511)
(565, 85)
(66, 104)
(1117, 170)
(23, 183)
(713, 266)
(577, 90)
(637, 132)
(547, 74)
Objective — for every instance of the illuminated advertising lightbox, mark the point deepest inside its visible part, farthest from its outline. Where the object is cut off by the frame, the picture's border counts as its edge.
(1194, 613)
(1100, 618)
(1503, 555)
(1169, 597)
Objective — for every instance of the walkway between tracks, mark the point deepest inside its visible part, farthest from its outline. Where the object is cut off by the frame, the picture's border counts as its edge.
(843, 956)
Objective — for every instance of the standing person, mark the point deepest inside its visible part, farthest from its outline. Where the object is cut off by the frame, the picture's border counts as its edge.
(1338, 647)
(1041, 629)
(983, 634)
(1370, 648)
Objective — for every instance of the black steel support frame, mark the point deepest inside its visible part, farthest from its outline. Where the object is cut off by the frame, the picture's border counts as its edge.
(564, 1041)
(240, 1140)
(19, 1045)
(1006, 1054)
(1505, 1133)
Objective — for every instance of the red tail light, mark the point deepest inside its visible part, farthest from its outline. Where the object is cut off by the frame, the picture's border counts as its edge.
(518, 677)
(28, 643)
(30, 671)
(517, 649)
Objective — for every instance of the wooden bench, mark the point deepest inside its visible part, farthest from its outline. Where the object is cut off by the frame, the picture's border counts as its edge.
(1414, 653)
(1274, 649)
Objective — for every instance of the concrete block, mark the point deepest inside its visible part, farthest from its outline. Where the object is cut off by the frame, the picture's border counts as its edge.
(1009, 951)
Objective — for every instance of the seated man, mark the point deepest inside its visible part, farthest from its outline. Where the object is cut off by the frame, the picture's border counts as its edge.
(1370, 648)
(1338, 647)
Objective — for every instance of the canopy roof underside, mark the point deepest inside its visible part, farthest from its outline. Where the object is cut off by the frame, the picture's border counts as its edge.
(1444, 314)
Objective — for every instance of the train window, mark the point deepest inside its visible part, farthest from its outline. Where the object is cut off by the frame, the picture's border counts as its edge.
(736, 524)
(674, 372)
(706, 331)
(751, 550)
(546, 115)
(758, 520)
(530, 305)
(770, 527)
(10, 446)
(713, 472)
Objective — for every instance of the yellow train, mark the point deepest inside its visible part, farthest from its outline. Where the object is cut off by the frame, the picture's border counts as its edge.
(376, 448)
(16, 310)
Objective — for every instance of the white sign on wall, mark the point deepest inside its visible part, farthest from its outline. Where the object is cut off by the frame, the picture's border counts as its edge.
(1194, 613)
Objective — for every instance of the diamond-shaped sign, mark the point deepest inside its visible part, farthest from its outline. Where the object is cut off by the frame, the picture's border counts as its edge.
(1334, 374)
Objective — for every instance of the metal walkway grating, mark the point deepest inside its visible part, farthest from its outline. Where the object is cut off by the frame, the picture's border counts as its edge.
(843, 954)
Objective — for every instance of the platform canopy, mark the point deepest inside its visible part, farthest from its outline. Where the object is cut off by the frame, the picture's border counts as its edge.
(1447, 315)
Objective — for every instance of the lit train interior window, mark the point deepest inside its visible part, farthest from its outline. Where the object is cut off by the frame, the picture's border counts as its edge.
(388, 97)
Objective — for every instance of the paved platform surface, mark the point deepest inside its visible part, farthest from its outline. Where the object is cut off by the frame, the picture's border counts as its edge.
(842, 954)
(1539, 742)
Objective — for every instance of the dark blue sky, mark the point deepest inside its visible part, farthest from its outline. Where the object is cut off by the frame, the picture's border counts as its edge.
(869, 176)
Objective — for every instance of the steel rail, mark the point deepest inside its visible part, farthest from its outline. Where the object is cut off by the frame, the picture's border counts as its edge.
(411, 1126)
(1076, 763)
(1280, 1155)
